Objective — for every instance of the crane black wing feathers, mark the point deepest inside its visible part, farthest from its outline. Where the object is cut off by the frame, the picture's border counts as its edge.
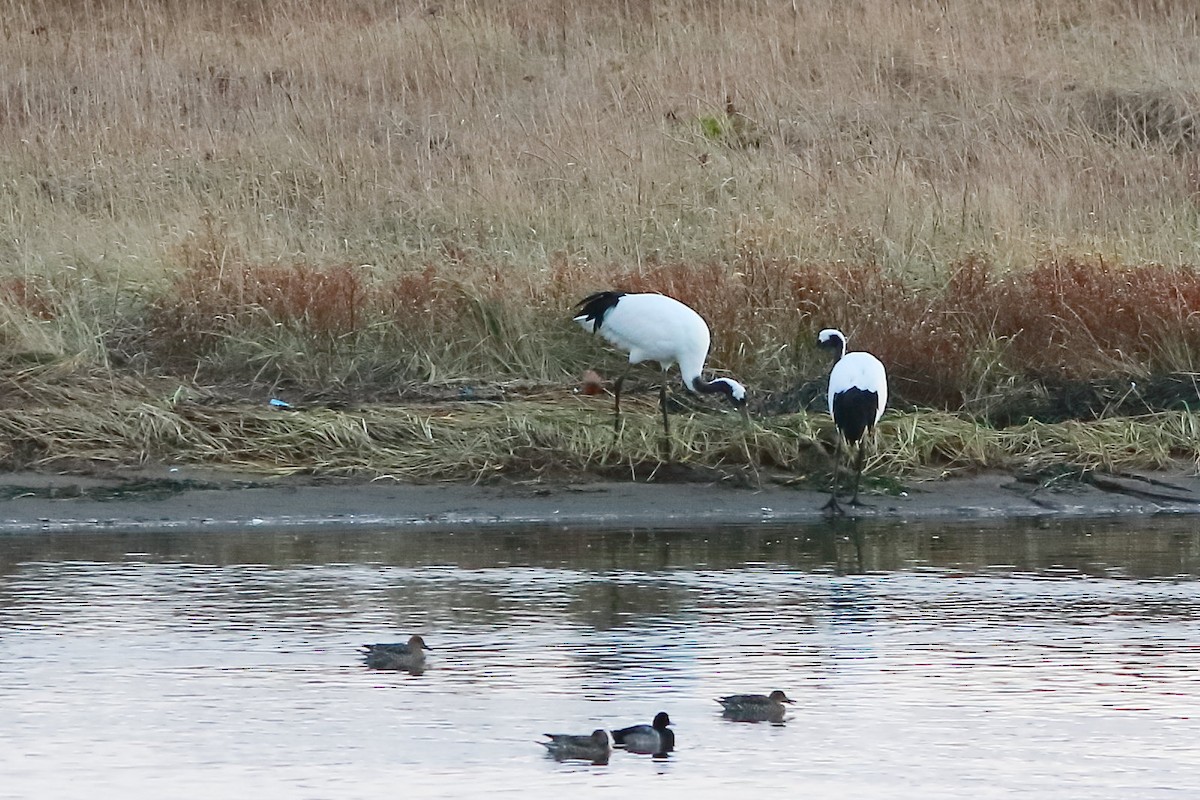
(854, 412)
(593, 307)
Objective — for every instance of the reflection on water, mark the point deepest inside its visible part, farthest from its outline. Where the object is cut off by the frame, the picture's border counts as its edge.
(1055, 660)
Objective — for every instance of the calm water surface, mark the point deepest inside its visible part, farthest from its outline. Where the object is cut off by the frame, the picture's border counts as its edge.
(1055, 661)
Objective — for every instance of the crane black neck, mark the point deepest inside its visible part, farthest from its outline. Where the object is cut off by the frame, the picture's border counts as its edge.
(835, 344)
(715, 386)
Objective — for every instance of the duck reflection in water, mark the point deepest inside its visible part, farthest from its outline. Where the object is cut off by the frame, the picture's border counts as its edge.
(568, 746)
(400, 657)
(755, 707)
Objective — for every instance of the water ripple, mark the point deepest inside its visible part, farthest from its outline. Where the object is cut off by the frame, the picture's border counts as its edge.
(924, 663)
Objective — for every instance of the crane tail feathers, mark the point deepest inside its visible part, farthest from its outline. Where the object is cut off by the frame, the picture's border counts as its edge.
(593, 308)
(854, 412)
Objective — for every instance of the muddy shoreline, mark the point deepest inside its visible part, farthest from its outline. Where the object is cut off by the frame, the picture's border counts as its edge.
(183, 500)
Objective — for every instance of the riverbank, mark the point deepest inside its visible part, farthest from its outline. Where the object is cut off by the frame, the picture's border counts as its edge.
(330, 204)
(186, 500)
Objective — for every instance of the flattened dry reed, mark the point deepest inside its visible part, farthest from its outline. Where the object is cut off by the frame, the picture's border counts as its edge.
(564, 436)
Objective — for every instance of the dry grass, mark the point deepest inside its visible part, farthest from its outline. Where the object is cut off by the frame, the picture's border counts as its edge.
(906, 134)
(554, 436)
(355, 199)
(979, 340)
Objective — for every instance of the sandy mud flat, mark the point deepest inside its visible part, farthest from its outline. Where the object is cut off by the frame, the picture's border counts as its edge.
(196, 501)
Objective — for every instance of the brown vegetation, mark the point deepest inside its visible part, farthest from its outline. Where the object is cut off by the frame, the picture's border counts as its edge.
(981, 335)
(365, 201)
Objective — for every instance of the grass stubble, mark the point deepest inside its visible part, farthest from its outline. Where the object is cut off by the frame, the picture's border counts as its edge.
(384, 214)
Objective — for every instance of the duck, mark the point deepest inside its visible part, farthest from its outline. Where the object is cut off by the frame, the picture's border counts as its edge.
(398, 656)
(755, 707)
(654, 739)
(594, 747)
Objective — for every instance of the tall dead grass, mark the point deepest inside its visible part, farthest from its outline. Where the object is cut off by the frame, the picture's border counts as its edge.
(903, 133)
(363, 196)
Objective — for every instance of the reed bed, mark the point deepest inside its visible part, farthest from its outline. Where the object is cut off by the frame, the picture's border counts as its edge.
(371, 201)
(908, 133)
(561, 437)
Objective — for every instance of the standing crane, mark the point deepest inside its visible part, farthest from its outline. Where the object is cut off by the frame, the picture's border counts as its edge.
(857, 396)
(654, 327)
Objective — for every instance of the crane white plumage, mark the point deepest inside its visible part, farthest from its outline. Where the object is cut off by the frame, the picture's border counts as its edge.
(654, 327)
(858, 394)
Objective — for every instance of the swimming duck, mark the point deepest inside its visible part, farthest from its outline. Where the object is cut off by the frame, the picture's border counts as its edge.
(755, 707)
(655, 739)
(594, 747)
(399, 656)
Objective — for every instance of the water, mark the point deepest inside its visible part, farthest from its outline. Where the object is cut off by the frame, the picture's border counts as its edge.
(1059, 660)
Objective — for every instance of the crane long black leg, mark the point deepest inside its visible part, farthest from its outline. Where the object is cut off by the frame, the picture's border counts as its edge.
(617, 401)
(662, 404)
(832, 506)
(665, 446)
(858, 467)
